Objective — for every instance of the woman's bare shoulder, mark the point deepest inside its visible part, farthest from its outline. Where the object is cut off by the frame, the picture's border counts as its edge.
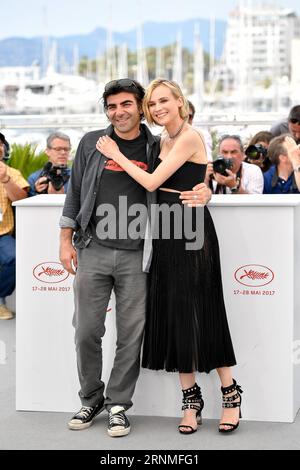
(196, 140)
(196, 133)
(191, 136)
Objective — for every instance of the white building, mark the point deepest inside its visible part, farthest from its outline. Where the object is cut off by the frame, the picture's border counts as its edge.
(295, 71)
(258, 42)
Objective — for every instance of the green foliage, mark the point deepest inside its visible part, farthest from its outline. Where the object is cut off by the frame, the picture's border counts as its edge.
(83, 65)
(25, 159)
(97, 67)
(215, 140)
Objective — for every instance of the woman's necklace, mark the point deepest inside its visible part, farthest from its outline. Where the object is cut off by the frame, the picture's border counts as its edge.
(177, 132)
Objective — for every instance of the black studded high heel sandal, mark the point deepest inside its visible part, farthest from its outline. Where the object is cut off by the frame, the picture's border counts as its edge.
(228, 402)
(192, 399)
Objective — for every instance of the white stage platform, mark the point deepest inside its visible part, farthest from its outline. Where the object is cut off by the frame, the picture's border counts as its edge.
(259, 238)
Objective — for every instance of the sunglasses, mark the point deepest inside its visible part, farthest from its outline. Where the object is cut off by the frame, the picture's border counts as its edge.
(295, 121)
(122, 82)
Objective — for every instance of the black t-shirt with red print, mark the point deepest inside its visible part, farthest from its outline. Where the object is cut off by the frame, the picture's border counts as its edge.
(116, 195)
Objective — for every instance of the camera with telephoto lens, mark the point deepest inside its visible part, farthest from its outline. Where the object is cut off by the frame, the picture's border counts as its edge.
(255, 152)
(57, 175)
(221, 164)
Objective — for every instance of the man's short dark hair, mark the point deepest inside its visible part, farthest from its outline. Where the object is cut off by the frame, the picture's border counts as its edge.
(2, 138)
(233, 137)
(277, 148)
(192, 108)
(123, 84)
(295, 113)
(6, 144)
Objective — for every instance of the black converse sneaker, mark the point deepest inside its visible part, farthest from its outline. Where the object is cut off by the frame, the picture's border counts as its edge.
(118, 424)
(85, 416)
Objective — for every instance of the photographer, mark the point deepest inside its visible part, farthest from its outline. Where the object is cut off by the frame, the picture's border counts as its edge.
(291, 125)
(54, 177)
(284, 176)
(230, 174)
(13, 187)
(256, 152)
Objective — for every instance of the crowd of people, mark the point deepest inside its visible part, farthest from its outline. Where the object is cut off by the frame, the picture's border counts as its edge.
(187, 330)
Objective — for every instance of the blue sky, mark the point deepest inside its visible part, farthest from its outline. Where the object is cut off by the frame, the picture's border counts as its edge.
(63, 17)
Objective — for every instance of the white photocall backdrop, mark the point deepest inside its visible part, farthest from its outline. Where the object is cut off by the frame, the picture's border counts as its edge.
(260, 255)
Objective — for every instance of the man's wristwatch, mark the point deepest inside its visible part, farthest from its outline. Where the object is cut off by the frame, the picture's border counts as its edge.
(234, 190)
(297, 168)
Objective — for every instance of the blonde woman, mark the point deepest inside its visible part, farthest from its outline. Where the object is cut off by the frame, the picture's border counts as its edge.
(186, 325)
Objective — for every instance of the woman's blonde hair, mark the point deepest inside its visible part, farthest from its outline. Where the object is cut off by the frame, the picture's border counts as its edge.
(176, 91)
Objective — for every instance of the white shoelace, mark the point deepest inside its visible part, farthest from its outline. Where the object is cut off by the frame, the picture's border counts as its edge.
(84, 412)
(117, 418)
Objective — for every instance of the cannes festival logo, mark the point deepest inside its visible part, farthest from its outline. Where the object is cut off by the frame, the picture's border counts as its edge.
(254, 275)
(50, 272)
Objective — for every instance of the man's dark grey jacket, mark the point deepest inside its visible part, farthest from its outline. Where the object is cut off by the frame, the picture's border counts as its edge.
(84, 183)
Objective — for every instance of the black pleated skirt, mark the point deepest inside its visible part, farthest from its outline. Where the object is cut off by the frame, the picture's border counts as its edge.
(186, 325)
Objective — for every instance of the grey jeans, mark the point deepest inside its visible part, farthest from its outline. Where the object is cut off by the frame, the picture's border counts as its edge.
(101, 269)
